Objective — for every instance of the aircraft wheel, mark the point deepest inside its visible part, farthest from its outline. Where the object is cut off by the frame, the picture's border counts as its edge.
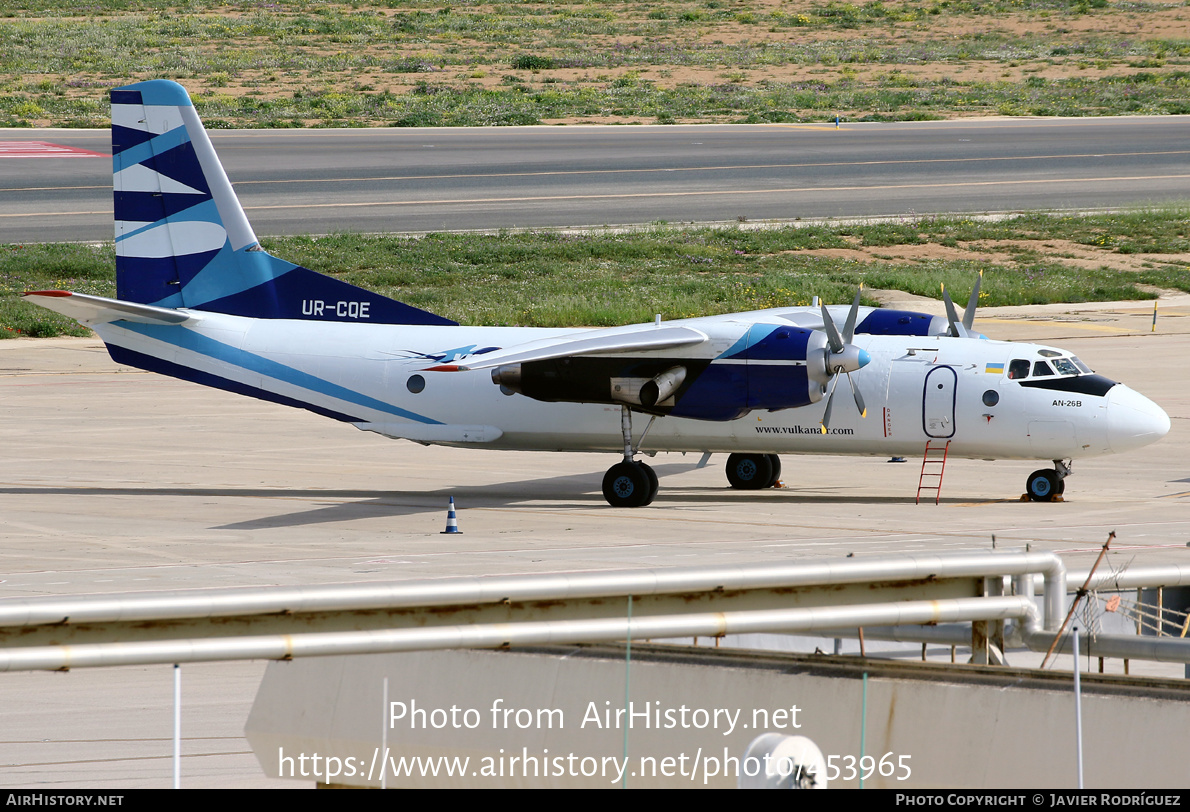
(775, 461)
(750, 472)
(1043, 485)
(628, 484)
(654, 485)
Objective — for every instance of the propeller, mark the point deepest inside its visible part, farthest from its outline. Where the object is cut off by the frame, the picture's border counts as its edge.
(841, 356)
(962, 329)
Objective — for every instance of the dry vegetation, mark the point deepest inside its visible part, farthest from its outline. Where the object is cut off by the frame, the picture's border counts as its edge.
(414, 63)
(465, 63)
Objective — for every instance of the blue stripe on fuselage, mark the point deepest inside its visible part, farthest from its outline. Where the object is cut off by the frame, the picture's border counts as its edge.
(190, 340)
(132, 358)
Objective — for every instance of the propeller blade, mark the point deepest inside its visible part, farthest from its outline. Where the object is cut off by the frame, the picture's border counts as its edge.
(972, 303)
(957, 329)
(832, 332)
(826, 415)
(849, 327)
(859, 399)
(846, 358)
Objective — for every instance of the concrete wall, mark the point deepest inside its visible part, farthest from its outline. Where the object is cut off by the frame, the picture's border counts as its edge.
(944, 726)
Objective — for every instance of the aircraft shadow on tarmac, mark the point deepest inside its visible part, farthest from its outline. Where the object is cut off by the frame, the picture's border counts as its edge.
(562, 492)
(508, 494)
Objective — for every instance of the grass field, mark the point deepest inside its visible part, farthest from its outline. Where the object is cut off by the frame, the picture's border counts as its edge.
(416, 63)
(603, 278)
(299, 63)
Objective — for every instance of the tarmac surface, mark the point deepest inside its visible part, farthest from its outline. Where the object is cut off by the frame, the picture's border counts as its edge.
(116, 480)
(418, 179)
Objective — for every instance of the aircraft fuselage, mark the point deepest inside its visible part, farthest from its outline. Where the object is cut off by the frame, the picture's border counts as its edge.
(917, 389)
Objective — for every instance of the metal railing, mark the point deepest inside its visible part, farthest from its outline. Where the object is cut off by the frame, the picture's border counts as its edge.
(497, 611)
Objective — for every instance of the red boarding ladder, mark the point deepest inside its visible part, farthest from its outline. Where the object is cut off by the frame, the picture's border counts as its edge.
(935, 459)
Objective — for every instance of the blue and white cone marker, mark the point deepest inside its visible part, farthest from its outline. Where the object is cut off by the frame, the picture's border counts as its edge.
(452, 522)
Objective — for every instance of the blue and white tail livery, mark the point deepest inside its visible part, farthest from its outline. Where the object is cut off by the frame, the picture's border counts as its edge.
(199, 299)
(182, 239)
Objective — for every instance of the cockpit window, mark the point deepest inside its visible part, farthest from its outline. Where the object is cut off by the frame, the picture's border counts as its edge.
(1020, 368)
(1065, 366)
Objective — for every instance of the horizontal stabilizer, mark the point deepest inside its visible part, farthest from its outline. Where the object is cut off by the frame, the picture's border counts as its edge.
(87, 309)
(638, 338)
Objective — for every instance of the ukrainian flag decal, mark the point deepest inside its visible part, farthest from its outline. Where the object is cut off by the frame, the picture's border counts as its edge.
(994, 369)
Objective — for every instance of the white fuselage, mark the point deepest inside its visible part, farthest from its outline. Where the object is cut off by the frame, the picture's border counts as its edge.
(916, 389)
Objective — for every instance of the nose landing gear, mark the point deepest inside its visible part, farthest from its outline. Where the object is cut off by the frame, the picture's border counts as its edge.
(1048, 485)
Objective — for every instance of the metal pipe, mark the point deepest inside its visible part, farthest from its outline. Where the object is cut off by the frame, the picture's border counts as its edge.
(1030, 631)
(498, 635)
(545, 587)
(177, 726)
(1078, 712)
(1134, 577)
(1116, 646)
(958, 634)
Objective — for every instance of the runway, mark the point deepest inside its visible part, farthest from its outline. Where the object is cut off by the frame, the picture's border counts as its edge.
(117, 480)
(438, 179)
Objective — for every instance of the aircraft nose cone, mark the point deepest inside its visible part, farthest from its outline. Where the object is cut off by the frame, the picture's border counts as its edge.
(1133, 420)
(864, 359)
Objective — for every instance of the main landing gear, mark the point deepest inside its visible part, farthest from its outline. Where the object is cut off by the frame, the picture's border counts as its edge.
(1047, 485)
(752, 472)
(630, 483)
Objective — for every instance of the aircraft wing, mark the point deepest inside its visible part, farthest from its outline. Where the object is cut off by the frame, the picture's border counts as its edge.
(638, 338)
(87, 309)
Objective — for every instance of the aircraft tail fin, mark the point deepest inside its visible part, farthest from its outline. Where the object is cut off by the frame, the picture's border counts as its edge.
(183, 240)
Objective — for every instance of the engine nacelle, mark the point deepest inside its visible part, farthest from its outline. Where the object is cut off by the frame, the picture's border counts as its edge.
(649, 392)
(769, 367)
(882, 322)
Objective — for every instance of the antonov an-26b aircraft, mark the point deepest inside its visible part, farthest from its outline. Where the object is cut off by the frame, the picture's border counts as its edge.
(199, 299)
